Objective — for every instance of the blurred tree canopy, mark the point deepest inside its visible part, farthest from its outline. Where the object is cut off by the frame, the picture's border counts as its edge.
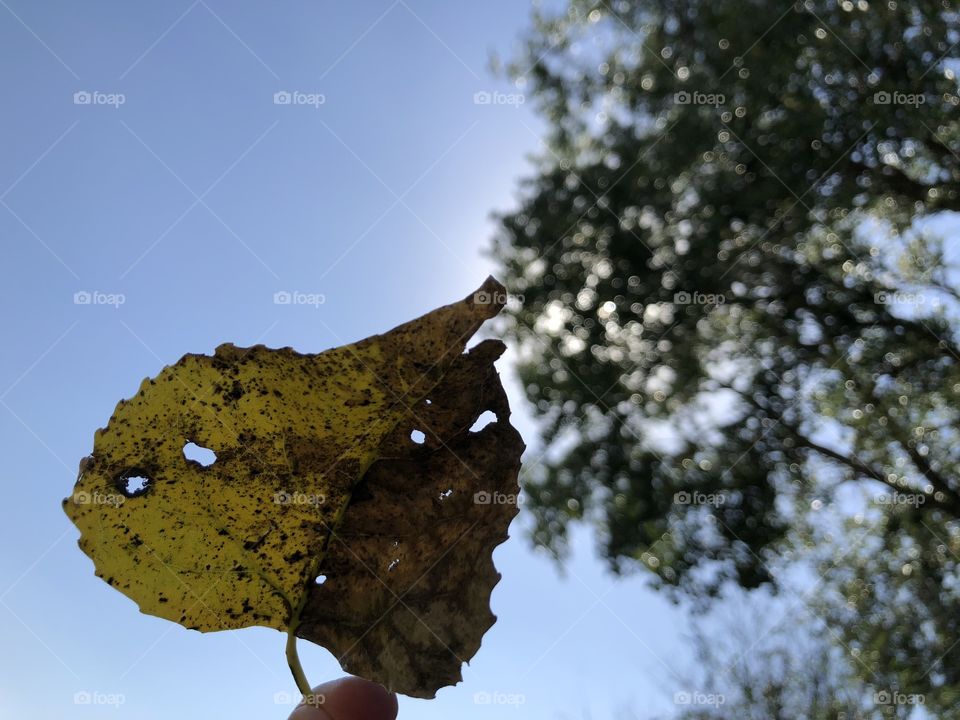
(738, 266)
(765, 667)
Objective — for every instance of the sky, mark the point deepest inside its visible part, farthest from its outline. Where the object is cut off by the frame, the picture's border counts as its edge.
(167, 169)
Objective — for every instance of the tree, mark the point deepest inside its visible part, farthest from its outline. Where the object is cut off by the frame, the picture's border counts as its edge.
(892, 601)
(739, 277)
(768, 665)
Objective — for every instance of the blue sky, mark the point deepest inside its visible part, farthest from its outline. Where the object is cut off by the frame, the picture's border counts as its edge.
(176, 184)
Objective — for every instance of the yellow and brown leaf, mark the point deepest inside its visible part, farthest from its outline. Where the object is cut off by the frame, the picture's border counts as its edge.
(316, 475)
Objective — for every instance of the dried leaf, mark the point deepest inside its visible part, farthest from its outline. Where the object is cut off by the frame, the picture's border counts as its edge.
(317, 475)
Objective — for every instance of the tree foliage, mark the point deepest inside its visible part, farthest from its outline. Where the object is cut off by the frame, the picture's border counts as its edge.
(714, 292)
(737, 260)
(772, 663)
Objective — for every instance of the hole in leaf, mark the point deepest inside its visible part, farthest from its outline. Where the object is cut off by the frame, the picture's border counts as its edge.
(393, 564)
(135, 485)
(321, 579)
(446, 493)
(200, 454)
(486, 417)
(428, 401)
(418, 437)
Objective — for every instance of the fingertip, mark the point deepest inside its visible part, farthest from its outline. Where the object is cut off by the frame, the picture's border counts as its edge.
(349, 698)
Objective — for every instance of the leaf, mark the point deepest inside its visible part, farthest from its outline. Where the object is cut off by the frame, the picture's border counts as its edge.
(317, 475)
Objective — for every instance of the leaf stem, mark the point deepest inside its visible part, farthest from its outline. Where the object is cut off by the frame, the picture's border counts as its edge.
(293, 660)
